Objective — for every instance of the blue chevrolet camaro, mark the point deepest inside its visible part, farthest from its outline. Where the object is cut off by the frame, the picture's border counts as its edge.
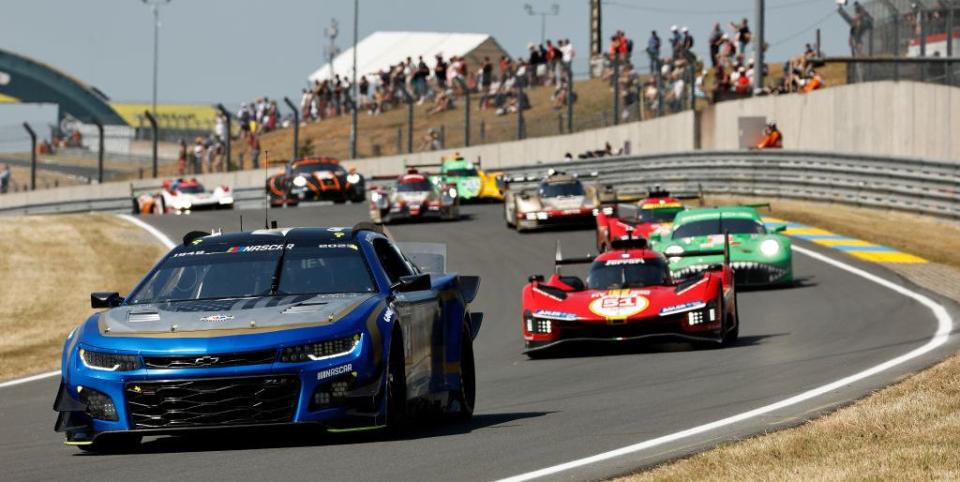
(338, 327)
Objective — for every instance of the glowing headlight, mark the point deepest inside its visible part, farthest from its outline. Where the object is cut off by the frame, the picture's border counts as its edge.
(770, 247)
(109, 362)
(453, 192)
(353, 178)
(299, 181)
(542, 216)
(320, 350)
(673, 250)
(531, 216)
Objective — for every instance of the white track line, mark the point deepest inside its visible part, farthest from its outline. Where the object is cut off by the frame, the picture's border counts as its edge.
(146, 227)
(150, 229)
(32, 378)
(944, 326)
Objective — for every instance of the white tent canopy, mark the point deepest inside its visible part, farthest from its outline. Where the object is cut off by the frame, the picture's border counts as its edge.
(380, 50)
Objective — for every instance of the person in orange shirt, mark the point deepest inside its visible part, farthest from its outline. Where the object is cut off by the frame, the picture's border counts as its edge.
(772, 138)
(813, 84)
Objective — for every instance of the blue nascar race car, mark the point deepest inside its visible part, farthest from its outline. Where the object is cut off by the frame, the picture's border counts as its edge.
(331, 326)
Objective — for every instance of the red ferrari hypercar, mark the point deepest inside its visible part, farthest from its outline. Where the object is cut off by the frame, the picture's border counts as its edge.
(629, 295)
(640, 217)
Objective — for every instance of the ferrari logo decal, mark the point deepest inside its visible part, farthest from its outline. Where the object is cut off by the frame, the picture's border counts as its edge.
(619, 304)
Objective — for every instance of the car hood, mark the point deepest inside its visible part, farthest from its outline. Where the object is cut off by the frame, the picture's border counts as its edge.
(211, 318)
(565, 202)
(743, 247)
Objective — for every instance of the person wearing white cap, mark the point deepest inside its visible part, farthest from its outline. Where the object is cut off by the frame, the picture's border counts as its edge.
(676, 41)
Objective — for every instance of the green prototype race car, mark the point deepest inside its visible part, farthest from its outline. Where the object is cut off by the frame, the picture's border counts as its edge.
(471, 181)
(758, 257)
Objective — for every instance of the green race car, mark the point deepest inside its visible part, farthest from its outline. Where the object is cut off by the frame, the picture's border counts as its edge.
(472, 183)
(759, 257)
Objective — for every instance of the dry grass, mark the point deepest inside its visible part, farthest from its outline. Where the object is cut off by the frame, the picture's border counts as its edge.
(905, 432)
(932, 238)
(45, 179)
(909, 431)
(50, 264)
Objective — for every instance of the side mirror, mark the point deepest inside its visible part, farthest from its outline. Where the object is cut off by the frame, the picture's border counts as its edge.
(416, 282)
(105, 299)
(536, 278)
(656, 237)
(779, 229)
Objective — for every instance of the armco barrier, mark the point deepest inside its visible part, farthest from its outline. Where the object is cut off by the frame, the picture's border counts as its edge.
(914, 185)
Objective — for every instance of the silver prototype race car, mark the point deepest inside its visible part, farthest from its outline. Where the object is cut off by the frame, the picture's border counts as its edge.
(413, 197)
(559, 199)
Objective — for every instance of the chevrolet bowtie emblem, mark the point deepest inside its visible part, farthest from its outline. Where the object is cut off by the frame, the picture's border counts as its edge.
(206, 360)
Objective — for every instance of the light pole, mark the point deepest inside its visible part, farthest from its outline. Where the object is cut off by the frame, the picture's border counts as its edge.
(554, 11)
(353, 83)
(155, 7)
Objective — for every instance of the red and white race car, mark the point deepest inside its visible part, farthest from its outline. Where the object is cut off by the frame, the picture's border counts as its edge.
(623, 216)
(179, 196)
(629, 295)
(413, 197)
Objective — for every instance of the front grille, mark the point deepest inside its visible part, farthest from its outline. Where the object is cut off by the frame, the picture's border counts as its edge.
(211, 361)
(649, 326)
(212, 402)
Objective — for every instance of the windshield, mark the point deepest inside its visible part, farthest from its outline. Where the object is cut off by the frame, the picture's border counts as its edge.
(307, 169)
(414, 186)
(655, 215)
(468, 172)
(627, 273)
(227, 271)
(561, 189)
(718, 226)
(195, 189)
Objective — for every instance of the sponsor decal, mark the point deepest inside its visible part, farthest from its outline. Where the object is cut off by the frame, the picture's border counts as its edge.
(258, 248)
(337, 245)
(217, 317)
(388, 315)
(197, 241)
(335, 229)
(619, 304)
(555, 315)
(672, 310)
(332, 372)
(621, 262)
(339, 234)
(189, 253)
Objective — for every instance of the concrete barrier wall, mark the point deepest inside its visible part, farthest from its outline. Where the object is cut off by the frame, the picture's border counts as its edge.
(904, 119)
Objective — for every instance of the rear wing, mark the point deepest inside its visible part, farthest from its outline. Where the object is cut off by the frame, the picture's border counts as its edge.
(559, 260)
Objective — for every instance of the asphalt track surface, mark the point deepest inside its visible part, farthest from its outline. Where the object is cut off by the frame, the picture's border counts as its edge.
(533, 413)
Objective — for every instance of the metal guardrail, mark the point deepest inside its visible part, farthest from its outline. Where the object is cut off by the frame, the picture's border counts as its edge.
(912, 185)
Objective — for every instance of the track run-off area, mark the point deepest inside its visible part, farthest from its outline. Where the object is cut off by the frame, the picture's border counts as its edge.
(847, 327)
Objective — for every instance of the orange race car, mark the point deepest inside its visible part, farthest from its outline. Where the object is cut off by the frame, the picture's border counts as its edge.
(315, 179)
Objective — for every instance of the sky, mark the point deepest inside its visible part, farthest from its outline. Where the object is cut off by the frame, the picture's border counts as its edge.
(234, 50)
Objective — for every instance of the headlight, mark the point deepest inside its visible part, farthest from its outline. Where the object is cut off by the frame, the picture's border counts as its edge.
(320, 350)
(453, 192)
(109, 362)
(673, 250)
(531, 216)
(375, 196)
(299, 181)
(770, 247)
(353, 178)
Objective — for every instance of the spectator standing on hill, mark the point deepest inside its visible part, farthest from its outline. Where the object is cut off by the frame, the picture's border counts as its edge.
(440, 72)
(254, 142)
(567, 52)
(687, 43)
(653, 51)
(486, 74)
(5, 179)
(220, 128)
(676, 42)
(364, 101)
(743, 35)
(182, 158)
(199, 152)
(716, 39)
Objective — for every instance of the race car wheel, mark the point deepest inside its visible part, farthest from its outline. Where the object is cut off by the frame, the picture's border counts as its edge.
(396, 404)
(113, 444)
(465, 398)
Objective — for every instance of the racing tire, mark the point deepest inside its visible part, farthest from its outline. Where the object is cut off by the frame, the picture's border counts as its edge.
(396, 387)
(113, 444)
(465, 397)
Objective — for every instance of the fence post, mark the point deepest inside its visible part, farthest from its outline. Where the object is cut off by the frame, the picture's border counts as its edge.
(399, 139)
(483, 130)
(226, 145)
(616, 89)
(659, 78)
(569, 97)
(466, 113)
(693, 86)
(99, 152)
(33, 156)
(296, 127)
(443, 136)
(410, 102)
(155, 135)
(521, 127)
